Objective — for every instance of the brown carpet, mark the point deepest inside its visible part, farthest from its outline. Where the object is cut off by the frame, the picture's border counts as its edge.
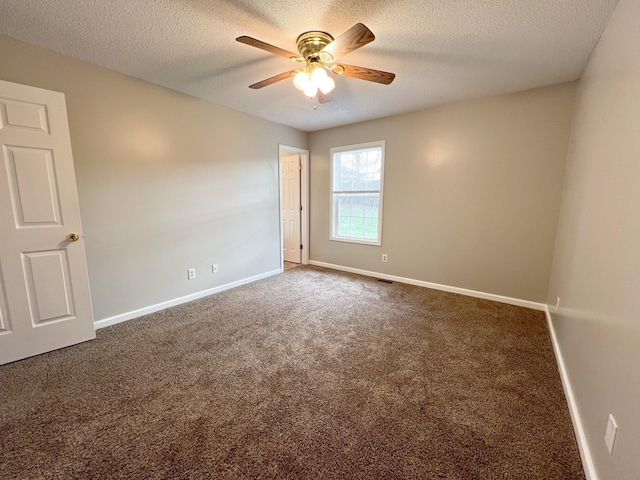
(308, 374)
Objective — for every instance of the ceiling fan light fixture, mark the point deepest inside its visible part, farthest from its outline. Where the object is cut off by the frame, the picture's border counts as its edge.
(313, 78)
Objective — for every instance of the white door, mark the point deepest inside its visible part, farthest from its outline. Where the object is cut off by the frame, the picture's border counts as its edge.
(291, 207)
(44, 289)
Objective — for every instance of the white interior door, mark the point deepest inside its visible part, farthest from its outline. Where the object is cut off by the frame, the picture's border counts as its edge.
(291, 207)
(44, 289)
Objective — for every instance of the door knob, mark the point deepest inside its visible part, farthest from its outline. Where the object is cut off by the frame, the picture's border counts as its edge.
(73, 237)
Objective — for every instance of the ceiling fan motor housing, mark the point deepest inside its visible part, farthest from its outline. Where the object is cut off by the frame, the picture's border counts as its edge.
(311, 43)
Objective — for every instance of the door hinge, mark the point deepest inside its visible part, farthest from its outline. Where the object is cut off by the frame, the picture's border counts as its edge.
(300, 207)
(300, 247)
(300, 166)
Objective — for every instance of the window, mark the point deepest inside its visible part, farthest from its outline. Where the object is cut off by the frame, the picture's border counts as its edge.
(357, 173)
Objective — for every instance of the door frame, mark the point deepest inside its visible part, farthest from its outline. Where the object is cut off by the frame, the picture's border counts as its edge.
(304, 200)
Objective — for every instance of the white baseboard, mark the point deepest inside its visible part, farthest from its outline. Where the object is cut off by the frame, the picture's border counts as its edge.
(583, 446)
(437, 286)
(123, 317)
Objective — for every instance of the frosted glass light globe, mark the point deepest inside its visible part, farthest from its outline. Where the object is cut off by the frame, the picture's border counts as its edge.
(318, 76)
(310, 90)
(327, 85)
(301, 80)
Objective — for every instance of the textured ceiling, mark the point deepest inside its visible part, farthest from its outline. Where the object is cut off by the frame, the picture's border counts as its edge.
(442, 51)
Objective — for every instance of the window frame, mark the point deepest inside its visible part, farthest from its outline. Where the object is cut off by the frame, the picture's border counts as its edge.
(333, 217)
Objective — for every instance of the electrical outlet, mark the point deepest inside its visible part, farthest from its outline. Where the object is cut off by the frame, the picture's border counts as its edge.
(384, 257)
(214, 268)
(610, 434)
(191, 273)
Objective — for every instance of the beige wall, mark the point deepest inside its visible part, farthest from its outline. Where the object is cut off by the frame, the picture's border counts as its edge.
(471, 193)
(596, 269)
(166, 181)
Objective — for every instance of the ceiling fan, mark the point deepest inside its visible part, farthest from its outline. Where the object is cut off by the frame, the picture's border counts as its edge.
(320, 52)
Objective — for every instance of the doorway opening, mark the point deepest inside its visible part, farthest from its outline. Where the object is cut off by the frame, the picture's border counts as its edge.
(293, 176)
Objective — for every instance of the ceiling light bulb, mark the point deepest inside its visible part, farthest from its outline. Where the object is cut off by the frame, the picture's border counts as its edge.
(301, 80)
(318, 76)
(310, 90)
(327, 85)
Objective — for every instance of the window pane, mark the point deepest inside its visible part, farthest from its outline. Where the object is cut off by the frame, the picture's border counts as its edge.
(356, 189)
(357, 215)
(357, 170)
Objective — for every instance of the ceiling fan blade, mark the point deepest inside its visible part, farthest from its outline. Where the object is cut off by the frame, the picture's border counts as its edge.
(274, 79)
(324, 97)
(354, 38)
(269, 48)
(362, 73)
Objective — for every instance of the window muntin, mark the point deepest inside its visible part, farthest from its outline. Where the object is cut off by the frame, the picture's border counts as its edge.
(357, 173)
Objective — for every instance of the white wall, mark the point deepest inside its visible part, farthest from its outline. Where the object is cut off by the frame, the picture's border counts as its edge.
(596, 269)
(471, 192)
(166, 181)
